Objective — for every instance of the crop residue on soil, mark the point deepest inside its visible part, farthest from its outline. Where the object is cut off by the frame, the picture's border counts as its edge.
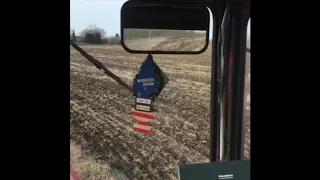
(101, 120)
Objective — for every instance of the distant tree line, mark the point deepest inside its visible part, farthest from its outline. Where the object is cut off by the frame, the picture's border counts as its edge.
(94, 35)
(73, 37)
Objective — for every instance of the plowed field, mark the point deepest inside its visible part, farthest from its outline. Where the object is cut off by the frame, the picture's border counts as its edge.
(101, 121)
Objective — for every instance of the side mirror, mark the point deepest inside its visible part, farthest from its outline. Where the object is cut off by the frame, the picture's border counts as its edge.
(164, 28)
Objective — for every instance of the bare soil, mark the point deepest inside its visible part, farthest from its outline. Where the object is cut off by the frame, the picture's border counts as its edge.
(87, 168)
(101, 121)
(179, 43)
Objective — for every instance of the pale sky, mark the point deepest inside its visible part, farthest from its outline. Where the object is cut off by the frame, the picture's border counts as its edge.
(249, 29)
(103, 13)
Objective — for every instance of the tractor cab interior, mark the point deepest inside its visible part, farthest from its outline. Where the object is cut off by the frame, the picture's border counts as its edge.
(190, 21)
(176, 27)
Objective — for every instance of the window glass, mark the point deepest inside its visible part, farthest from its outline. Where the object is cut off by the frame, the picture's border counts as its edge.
(247, 97)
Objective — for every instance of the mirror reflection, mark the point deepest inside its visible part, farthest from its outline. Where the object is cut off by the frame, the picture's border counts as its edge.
(164, 40)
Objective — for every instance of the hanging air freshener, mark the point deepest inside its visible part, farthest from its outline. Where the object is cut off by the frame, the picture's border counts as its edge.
(147, 85)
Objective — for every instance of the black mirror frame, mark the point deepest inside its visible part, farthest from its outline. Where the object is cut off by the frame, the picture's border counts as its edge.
(163, 52)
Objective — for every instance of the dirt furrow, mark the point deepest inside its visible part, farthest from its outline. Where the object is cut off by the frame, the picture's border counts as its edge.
(118, 109)
(101, 121)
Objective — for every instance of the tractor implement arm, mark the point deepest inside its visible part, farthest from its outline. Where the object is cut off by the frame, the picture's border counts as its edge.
(100, 66)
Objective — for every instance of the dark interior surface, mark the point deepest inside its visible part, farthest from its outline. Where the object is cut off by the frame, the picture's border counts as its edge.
(234, 170)
(170, 16)
(206, 2)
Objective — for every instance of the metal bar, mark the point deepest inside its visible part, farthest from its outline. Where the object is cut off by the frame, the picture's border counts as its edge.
(100, 66)
(238, 73)
(214, 114)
